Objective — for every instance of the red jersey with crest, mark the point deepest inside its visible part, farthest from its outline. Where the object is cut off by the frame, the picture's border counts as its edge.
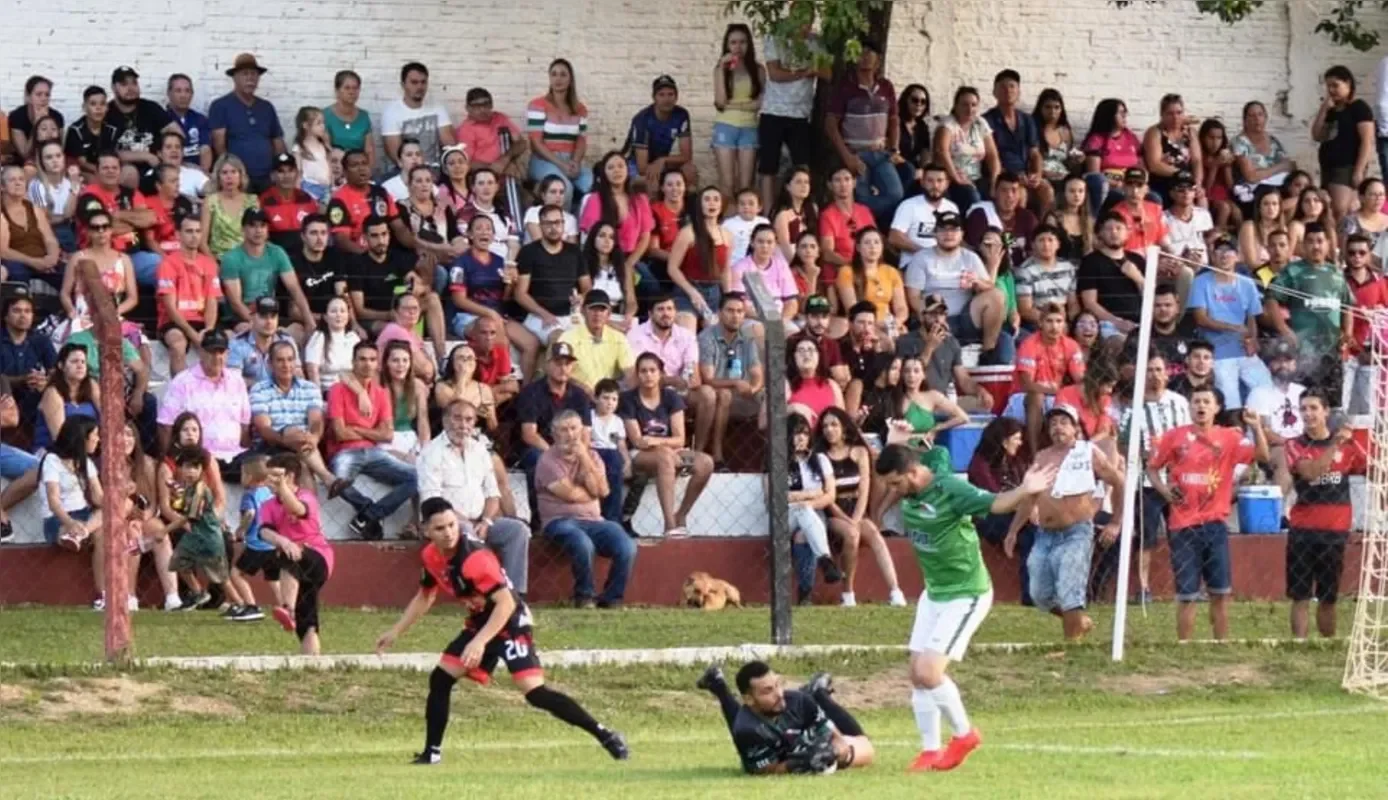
(351, 206)
(1323, 504)
(472, 575)
(1202, 467)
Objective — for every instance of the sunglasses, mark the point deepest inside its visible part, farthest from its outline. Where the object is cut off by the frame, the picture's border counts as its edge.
(99, 228)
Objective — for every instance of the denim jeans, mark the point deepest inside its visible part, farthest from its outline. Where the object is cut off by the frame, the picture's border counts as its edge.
(146, 267)
(1238, 377)
(611, 505)
(882, 176)
(965, 195)
(14, 463)
(581, 540)
(574, 188)
(23, 273)
(1059, 565)
(375, 463)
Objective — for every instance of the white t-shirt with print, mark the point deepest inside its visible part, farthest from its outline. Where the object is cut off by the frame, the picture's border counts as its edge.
(741, 229)
(423, 123)
(1281, 409)
(1190, 234)
(608, 431)
(793, 99)
(55, 470)
(915, 217)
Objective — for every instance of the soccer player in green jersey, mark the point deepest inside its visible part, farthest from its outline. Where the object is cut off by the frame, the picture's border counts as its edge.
(938, 509)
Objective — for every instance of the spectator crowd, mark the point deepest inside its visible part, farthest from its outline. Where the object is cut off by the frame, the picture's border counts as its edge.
(428, 299)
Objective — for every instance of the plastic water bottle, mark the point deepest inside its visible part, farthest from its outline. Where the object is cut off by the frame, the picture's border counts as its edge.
(890, 322)
(575, 311)
(734, 366)
(687, 373)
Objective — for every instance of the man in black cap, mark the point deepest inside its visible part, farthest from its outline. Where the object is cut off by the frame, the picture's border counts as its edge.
(660, 137)
(138, 123)
(958, 276)
(536, 407)
(936, 347)
(257, 268)
(250, 349)
(1190, 228)
(245, 125)
(599, 351)
(286, 206)
(817, 320)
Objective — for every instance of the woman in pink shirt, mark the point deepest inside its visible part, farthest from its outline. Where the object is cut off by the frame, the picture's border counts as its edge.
(809, 389)
(765, 257)
(402, 328)
(612, 201)
(1110, 147)
(291, 521)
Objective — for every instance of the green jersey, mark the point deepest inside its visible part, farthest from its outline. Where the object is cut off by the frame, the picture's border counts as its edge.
(1315, 318)
(939, 521)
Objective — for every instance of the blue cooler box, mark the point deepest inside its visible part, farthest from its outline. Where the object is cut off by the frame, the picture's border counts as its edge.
(963, 441)
(1260, 509)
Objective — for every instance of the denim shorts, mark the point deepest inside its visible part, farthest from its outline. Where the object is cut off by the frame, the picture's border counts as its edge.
(52, 526)
(710, 291)
(1059, 567)
(731, 137)
(14, 463)
(964, 328)
(1200, 552)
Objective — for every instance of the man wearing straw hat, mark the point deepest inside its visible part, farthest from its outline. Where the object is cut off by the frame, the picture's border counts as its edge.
(245, 125)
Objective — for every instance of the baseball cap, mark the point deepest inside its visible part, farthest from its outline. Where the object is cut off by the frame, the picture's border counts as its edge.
(597, 298)
(948, 219)
(267, 306)
(1134, 175)
(663, 82)
(560, 350)
(1066, 410)
(933, 301)
(1278, 348)
(214, 340)
(285, 160)
(818, 304)
(254, 216)
(1183, 180)
(1225, 242)
(121, 73)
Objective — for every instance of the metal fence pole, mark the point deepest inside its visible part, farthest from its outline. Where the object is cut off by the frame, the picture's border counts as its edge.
(777, 507)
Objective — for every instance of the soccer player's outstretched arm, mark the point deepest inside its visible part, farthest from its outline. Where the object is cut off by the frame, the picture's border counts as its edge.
(420, 604)
(1037, 480)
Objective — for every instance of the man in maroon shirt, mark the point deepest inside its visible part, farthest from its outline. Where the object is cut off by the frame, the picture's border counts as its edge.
(861, 124)
(1005, 212)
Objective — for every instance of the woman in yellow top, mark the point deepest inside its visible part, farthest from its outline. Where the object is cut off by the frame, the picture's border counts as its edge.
(875, 281)
(737, 89)
(221, 213)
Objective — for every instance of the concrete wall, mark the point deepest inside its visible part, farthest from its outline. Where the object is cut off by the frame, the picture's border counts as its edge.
(1086, 48)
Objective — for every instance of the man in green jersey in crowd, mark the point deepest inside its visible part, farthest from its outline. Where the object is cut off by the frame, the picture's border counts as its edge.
(938, 509)
(1317, 299)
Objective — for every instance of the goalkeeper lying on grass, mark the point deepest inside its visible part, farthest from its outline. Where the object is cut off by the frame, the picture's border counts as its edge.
(778, 731)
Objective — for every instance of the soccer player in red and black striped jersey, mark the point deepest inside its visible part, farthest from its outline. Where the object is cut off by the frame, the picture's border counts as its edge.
(498, 629)
(1320, 464)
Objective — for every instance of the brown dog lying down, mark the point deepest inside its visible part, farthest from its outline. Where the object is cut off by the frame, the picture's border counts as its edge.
(702, 590)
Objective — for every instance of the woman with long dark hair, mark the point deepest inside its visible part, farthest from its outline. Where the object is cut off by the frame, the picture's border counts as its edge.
(148, 534)
(1314, 206)
(455, 186)
(606, 267)
(558, 126)
(698, 259)
(615, 202)
(1253, 234)
(872, 279)
(811, 493)
(1110, 148)
(1298, 181)
(73, 498)
(1071, 215)
(964, 146)
(71, 392)
(913, 113)
(669, 213)
(738, 79)
(459, 382)
(1217, 174)
(1058, 154)
(796, 212)
(1091, 399)
(916, 409)
(1344, 127)
(655, 420)
(999, 462)
(851, 461)
(186, 432)
(804, 266)
(764, 258)
(328, 354)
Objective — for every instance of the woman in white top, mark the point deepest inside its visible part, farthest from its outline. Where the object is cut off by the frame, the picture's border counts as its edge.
(54, 189)
(811, 479)
(72, 495)
(328, 354)
(964, 147)
(311, 150)
(552, 193)
(606, 266)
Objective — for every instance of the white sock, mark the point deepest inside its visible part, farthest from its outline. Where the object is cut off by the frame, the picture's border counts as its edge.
(847, 599)
(927, 718)
(947, 698)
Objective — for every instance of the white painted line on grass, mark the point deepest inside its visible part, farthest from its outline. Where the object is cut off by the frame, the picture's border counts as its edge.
(1208, 719)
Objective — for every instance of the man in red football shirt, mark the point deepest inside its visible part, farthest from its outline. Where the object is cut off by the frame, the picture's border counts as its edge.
(1201, 458)
(499, 628)
(1045, 362)
(1320, 464)
(493, 359)
(286, 206)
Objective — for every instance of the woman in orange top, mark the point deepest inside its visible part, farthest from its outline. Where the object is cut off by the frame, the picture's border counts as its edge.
(871, 279)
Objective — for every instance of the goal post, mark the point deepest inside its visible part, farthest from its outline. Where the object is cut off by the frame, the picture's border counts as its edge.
(1366, 666)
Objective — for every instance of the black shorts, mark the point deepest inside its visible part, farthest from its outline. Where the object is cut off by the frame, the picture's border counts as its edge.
(169, 326)
(312, 572)
(1153, 518)
(774, 132)
(265, 561)
(516, 650)
(1315, 560)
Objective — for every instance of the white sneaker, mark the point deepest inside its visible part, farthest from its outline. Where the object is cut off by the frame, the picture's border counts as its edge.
(132, 603)
(897, 598)
(99, 604)
(847, 600)
(172, 603)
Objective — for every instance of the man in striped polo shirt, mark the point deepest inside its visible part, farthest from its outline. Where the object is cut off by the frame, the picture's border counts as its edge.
(1162, 410)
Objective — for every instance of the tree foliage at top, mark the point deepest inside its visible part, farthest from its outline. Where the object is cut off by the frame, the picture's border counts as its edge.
(1343, 23)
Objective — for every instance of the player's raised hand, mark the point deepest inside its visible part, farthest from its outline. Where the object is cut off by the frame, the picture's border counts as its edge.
(384, 643)
(1038, 479)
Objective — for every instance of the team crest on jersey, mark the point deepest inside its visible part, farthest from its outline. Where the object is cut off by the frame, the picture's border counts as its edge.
(380, 206)
(336, 215)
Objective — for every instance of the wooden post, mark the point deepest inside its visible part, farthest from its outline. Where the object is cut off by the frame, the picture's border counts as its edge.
(113, 469)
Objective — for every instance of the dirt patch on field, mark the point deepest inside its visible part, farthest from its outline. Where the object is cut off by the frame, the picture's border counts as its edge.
(1174, 681)
(205, 706)
(887, 689)
(13, 694)
(66, 698)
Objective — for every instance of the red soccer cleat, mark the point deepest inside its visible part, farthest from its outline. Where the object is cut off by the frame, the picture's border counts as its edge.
(957, 750)
(926, 761)
(284, 617)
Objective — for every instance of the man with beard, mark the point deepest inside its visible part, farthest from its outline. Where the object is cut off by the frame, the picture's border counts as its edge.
(676, 346)
(549, 272)
(1315, 293)
(859, 349)
(1171, 330)
(1199, 371)
(1202, 457)
(320, 268)
(138, 123)
(383, 272)
(958, 276)
(358, 200)
(913, 226)
(1110, 279)
(816, 330)
(1060, 558)
(1279, 407)
(943, 356)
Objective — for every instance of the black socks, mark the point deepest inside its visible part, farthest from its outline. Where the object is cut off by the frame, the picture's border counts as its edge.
(565, 708)
(436, 708)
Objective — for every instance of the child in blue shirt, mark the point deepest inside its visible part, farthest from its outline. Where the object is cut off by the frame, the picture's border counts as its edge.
(257, 555)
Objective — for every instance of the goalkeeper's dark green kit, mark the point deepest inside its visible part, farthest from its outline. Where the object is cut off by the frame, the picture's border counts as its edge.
(793, 736)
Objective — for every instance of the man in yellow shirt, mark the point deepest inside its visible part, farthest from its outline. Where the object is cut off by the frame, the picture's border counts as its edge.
(599, 351)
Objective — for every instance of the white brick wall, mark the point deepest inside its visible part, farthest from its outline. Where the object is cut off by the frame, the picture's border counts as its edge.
(1086, 48)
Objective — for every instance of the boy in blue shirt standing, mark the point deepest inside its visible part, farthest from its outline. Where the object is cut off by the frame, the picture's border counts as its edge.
(257, 555)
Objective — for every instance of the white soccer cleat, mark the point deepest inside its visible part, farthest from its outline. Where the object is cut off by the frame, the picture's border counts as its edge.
(897, 598)
(847, 600)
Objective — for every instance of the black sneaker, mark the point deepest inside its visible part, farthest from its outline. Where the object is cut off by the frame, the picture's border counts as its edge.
(367, 529)
(216, 596)
(6, 531)
(830, 570)
(250, 613)
(615, 744)
(819, 682)
(231, 612)
(195, 602)
(212, 603)
(712, 678)
(428, 757)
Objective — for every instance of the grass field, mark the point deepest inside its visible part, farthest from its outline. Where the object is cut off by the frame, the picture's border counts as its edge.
(1236, 721)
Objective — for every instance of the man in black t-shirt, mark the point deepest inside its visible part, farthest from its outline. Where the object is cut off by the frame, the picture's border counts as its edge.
(1171, 331)
(858, 348)
(777, 731)
(378, 275)
(1109, 279)
(138, 123)
(551, 271)
(321, 268)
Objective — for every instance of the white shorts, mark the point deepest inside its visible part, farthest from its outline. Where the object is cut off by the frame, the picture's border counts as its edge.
(537, 326)
(946, 627)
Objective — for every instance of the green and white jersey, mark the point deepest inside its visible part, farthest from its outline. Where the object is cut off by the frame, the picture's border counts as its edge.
(939, 521)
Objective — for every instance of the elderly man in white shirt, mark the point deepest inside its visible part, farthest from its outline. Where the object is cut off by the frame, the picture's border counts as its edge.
(457, 467)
